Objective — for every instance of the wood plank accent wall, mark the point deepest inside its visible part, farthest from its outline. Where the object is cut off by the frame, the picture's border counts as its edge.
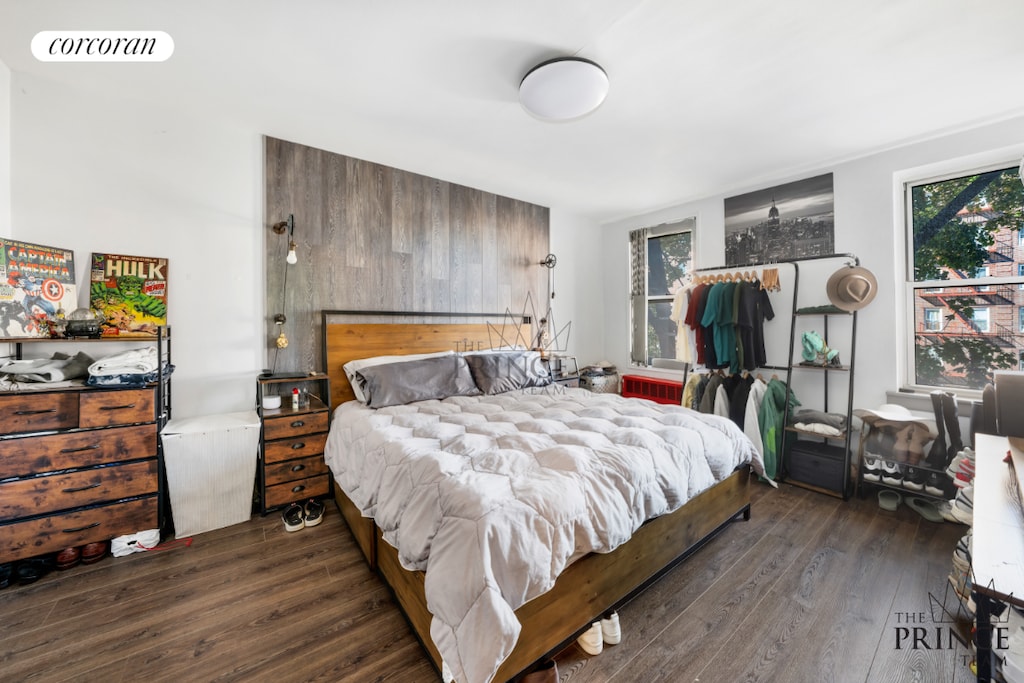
(372, 237)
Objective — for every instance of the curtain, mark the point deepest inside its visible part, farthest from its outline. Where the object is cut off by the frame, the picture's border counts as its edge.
(638, 293)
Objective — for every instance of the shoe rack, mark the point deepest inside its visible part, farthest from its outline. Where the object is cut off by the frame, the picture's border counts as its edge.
(890, 458)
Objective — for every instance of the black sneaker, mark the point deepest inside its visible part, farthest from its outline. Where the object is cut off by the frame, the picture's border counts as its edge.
(292, 517)
(935, 483)
(314, 512)
(914, 478)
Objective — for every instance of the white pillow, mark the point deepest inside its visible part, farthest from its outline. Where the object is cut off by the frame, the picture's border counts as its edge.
(352, 367)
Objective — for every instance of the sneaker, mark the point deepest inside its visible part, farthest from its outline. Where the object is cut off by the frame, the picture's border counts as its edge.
(934, 484)
(293, 517)
(892, 473)
(313, 513)
(592, 640)
(872, 468)
(954, 464)
(914, 479)
(610, 631)
(963, 506)
(945, 509)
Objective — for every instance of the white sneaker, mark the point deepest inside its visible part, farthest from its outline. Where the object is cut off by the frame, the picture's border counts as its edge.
(963, 506)
(610, 631)
(592, 641)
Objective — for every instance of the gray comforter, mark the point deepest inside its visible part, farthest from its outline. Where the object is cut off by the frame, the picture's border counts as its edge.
(492, 496)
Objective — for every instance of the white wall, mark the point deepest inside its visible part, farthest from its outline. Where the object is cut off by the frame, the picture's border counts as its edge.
(5, 151)
(579, 285)
(868, 216)
(91, 173)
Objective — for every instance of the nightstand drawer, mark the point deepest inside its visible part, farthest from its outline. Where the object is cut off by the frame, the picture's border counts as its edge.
(301, 489)
(294, 425)
(299, 447)
(295, 469)
(38, 412)
(50, 534)
(124, 407)
(39, 495)
(25, 456)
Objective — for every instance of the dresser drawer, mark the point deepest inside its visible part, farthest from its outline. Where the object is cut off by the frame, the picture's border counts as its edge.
(301, 489)
(295, 469)
(34, 455)
(39, 495)
(38, 412)
(122, 407)
(54, 533)
(294, 425)
(298, 447)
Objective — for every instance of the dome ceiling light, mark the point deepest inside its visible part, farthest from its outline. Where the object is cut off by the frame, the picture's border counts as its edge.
(563, 89)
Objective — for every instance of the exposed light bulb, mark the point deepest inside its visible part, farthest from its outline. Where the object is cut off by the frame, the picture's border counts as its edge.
(292, 259)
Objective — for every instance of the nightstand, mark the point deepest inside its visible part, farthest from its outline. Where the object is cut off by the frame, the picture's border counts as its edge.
(291, 465)
(564, 370)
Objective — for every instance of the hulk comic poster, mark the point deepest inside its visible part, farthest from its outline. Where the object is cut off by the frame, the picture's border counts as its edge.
(36, 283)
(130, 292)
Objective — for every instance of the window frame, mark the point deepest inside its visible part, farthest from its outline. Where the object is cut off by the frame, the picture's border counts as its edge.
(672, 227)
(908, 182)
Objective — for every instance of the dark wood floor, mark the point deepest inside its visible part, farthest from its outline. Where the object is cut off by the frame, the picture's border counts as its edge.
(811, 589)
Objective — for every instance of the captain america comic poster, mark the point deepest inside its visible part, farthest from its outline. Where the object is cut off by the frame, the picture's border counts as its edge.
(37, 284)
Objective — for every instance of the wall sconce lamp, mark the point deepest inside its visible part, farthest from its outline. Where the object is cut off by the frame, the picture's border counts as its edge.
(549, 262)
(279, 228)
(289, 225)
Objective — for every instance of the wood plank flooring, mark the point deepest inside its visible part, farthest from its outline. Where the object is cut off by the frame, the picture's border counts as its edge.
(810, 589)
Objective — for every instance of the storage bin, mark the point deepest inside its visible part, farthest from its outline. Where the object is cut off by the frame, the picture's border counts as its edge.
(817, 464)
(211, 466)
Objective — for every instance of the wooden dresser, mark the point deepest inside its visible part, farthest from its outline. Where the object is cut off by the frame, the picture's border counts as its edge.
(76, 467)
(82, 464)
(291, 464)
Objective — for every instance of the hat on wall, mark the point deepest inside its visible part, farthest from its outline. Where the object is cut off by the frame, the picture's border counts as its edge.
(851, 288)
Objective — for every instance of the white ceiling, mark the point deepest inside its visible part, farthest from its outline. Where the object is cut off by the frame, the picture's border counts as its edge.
(706, 97)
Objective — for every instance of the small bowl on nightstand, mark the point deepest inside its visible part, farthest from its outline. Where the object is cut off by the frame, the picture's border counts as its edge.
(271, 402)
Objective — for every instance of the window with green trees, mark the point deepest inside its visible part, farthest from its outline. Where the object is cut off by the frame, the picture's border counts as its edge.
(965, 275)
(662, 267)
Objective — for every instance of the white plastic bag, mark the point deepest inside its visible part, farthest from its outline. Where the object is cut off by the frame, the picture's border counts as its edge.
(138, 542)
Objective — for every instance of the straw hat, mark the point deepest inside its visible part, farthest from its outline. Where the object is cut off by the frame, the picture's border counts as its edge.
(851, 288)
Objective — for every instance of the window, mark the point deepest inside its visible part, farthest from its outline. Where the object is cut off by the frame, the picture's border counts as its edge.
(965, 279)
(979, 318)
(660, 258)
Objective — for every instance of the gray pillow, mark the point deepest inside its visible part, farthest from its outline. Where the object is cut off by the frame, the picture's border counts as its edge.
(390, 384)
(496, 373)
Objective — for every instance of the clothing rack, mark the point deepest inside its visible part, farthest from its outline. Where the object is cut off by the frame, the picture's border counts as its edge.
(788, 368)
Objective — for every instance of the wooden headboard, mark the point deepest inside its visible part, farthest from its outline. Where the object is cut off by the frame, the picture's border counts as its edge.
(349, 335)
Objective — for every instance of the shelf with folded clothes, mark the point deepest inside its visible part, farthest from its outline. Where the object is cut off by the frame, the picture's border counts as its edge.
(808, 432)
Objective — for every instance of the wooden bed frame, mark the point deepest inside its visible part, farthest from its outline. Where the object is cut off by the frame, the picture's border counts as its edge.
(591, 585)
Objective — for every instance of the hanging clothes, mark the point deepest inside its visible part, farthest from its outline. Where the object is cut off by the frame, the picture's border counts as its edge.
(692, 320)
(751, 423)
(690, 390)
(684, 334)
(753, 309)
(707, 402)
(770, 419)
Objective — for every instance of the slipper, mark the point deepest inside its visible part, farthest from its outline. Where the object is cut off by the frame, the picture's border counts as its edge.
(925, 508)
(889, 500)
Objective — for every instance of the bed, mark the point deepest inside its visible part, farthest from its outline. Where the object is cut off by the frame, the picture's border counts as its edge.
(438, 492)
